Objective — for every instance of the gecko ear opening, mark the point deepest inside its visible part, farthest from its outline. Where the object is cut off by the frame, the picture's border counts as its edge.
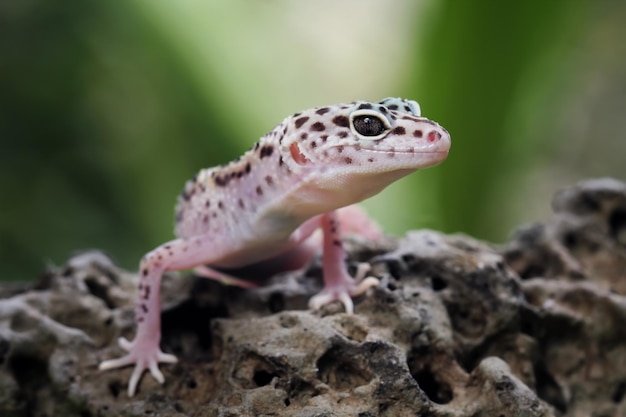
(297, 156)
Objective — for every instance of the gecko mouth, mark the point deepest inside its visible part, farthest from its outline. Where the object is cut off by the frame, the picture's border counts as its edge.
(411, 151)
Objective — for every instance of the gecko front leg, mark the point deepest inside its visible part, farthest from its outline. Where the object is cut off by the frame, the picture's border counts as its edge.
(144, 351)
(338, 284)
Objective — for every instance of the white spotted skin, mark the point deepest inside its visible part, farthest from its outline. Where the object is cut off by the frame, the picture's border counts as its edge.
(303, 176)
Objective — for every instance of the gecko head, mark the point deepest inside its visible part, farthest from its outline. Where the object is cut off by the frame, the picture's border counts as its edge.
(357, 149)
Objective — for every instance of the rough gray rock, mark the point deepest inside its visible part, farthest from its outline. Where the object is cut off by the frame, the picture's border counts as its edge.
(457, 328)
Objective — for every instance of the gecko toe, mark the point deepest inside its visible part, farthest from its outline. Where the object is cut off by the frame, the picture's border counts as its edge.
(125, 344)
(364, 285)
(361, 271)
(166, 358)
(317, 301)
(116, 363)
(156, 373)
(134, 379)
(345, 299)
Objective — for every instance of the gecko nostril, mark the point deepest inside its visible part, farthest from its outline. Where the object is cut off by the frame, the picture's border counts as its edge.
(434, 136)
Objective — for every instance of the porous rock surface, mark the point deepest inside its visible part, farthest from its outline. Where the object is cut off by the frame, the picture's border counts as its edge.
(457, 327)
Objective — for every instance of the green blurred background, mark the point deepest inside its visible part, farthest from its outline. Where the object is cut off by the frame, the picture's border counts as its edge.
(107, 108)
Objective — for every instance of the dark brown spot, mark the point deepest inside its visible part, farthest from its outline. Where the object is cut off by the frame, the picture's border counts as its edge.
(240, 202)
(144, 272)
(337, 242)
(325, 154)
(214, 214)
(269, 180)
(342, 134)
(418, 133)
(256, 146)
(221, 181)
(318, 127)
(407, 108)
(399, 130)
(370, 159)
(324, 138)
(304, 135)
(341, 121)
(322, 111)
(240, 174)
(267, 150)
(248, 168)
(220, 205)
(297, 114)
(348, 160)
(313, 144)
(382, 110)
(357, 147)
(207, 204)
(299, 122)
(280, 161)
(339, 149)
(144, 308)
(259, 190)
(393, 107)
(205, 218)
(365, 106)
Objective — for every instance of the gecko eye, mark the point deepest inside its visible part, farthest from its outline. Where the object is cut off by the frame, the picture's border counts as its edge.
(369, 124)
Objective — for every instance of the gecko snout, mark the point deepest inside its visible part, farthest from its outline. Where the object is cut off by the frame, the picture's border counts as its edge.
(437, 138)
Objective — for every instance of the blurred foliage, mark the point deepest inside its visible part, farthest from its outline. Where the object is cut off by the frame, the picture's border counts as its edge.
(486, 70)
(106, 108)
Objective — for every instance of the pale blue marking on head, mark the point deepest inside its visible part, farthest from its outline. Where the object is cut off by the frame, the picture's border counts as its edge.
(402, 105)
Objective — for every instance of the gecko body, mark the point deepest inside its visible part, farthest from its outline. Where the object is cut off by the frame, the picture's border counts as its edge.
(303, 176)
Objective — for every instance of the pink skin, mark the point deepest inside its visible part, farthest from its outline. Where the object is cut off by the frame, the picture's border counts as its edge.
(303, 176)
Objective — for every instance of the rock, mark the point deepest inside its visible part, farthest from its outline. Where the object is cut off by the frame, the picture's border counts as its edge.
(458, 327)
(573, 272)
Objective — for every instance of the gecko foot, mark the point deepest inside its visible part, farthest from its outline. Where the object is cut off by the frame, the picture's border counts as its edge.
(145, 356)
(344, 289)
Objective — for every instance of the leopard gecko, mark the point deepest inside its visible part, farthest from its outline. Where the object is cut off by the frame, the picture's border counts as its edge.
(304, 175)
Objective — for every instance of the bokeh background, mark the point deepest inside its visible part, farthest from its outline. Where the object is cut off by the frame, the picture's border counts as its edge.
(107, 108)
